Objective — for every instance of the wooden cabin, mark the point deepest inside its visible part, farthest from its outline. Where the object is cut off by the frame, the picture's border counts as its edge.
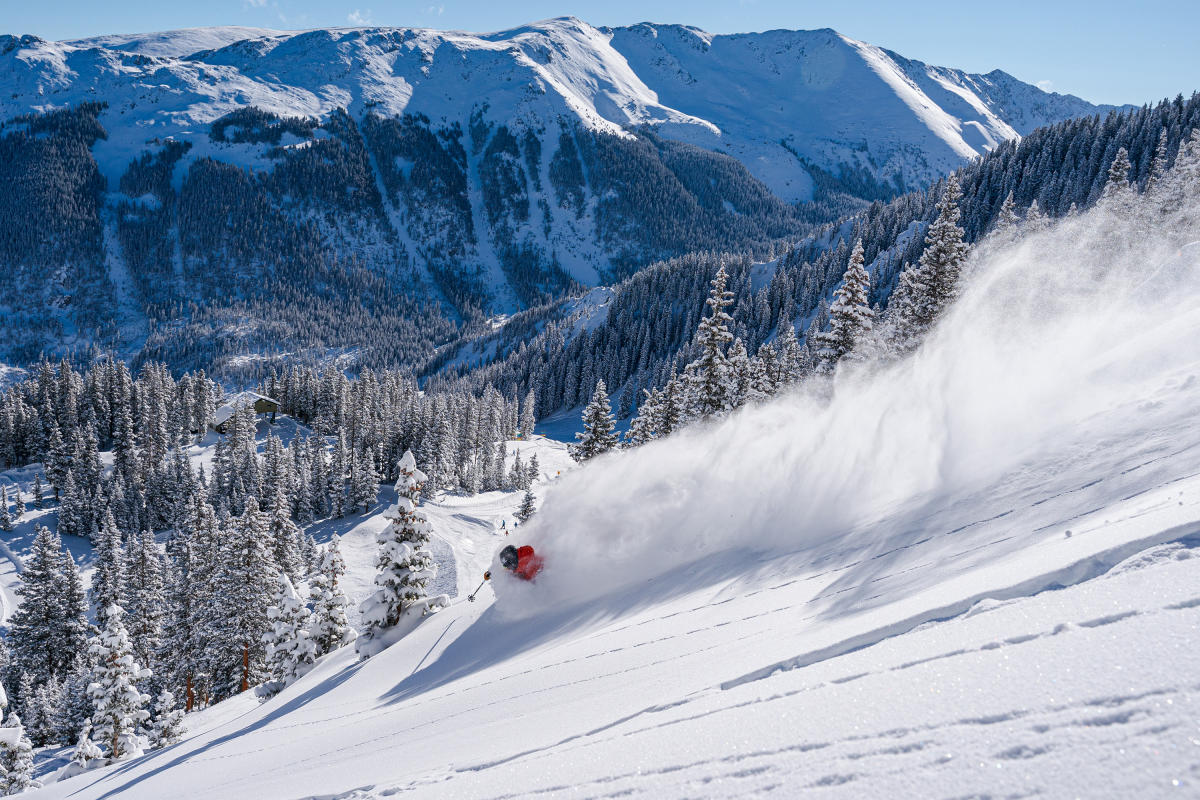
(235, 403)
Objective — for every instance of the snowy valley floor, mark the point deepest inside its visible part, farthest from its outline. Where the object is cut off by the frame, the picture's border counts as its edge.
(931, 655)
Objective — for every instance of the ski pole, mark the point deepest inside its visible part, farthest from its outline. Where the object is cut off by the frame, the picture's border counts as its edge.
(471, 596)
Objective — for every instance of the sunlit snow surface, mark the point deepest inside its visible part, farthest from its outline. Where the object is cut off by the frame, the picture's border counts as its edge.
(849, 593)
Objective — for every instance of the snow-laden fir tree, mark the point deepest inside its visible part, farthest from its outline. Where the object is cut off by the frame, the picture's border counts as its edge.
(49, 629)
(16, 758)
(108, 578)
(290, 648)
(329, 627)
(286, 538)
(599, 428)
(6, 518)
(528, 420)
(38, 491)
(166, 727)
(145, 597)
(246, 586)
(1007, 219)
(404, 562)
(120, 707)
(925, 290)
(850, 316)
(85, 754)
(707, 375)
(528, 507)
(1117, 184)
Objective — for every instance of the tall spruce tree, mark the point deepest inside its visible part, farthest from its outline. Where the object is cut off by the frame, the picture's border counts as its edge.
(707, 375)
(404, 562)
(247, 584)
(290, 648)
(119, 704)
(850, 316)
(329, 626)
(599, 427)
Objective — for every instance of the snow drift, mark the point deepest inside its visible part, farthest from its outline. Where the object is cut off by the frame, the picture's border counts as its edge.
(1056, 340)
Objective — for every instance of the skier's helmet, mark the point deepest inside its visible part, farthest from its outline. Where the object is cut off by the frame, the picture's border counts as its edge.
(508, 557)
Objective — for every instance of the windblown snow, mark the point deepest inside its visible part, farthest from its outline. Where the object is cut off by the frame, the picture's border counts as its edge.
(846, 592)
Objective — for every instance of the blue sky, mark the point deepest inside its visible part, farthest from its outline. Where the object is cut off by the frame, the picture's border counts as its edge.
(1103, 51)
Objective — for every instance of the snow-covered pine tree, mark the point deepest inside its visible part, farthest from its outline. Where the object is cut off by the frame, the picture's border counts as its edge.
(49, 629)
(599, 427)
(286, 538)
(38, 491)
(6, 518)
(737, 375)
(1117, 184)
(246, 586)
(119, 704)
(707, 375)
(108, 579)
(145, 598)
(528, 507)
(364, 483)
(84, 756)
(926, 290)
(166, 728)
(76, 707)
(1035, 220)
(328, 625)
(850, 316)
(533, 471)
(290, 648)
(16, 758)
(528, 420)
(405, 564)
(1007, 219)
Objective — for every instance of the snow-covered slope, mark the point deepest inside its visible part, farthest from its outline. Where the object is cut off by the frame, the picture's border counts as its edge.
(847, 592)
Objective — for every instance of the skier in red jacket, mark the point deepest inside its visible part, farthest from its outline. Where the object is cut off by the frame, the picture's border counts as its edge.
(521, 561)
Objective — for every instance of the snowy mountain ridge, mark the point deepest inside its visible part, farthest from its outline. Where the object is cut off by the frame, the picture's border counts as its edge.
(831, 100)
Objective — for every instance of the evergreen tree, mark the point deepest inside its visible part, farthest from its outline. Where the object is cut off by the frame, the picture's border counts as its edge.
(404, 562)
(145, 595)
(38, 491)
(6, 519)
(1007, 219)
(108, 579)
(850, 316)
(247, 583)
(85, 753)
(49, 628)
(599, 427)
(527, 509)
(329, 627)
(1117, 184)
(16, 758)
(286, 538)
(528, 420)
(290, 648)
(926, 290)
(167, 726)
(119, 704)
(708, 373)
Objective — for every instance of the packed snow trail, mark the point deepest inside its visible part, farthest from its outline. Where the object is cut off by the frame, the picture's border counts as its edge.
(841, 593)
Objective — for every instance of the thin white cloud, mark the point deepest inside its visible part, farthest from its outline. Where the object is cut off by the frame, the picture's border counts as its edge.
(1045, 86)
(357, 17)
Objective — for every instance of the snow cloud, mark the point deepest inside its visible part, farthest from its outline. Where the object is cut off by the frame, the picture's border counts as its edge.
(1062, 327)
(1045, 85)
(357, 17)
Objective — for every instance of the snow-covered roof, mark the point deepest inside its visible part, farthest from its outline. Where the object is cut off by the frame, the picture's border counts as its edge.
(236, 403)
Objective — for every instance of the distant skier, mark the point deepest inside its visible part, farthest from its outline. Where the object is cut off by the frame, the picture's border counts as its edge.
(520, 561)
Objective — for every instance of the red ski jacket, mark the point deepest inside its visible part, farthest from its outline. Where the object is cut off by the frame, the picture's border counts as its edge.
(529, 563)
